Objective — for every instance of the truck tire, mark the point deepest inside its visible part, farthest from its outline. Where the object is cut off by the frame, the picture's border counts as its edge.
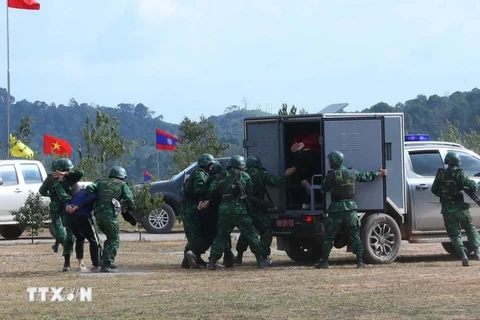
(448, 246)
(11, 232)
(304, 254)
(160, 222)
(381, 239)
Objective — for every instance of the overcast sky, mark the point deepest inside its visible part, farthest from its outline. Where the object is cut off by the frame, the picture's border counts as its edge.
(199, 56)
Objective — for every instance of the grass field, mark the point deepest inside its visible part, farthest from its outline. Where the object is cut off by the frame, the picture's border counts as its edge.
(424, 283)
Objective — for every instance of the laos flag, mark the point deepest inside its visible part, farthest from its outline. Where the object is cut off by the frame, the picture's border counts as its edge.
(166, 141)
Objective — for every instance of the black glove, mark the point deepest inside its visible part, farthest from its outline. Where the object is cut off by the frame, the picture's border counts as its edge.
(129, 218)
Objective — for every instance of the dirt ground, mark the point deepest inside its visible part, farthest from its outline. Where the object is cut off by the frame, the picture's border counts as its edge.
(424, 283)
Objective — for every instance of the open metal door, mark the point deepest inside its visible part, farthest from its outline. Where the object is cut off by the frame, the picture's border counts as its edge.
(362, 142)
(262, 139)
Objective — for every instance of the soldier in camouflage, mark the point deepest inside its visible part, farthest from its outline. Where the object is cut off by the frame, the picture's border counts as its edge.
(194, 190)
(448, 185)
(230, 187)
(58, 187)
(209, 220)
(261, 221)
(110, 192)
(342, 211)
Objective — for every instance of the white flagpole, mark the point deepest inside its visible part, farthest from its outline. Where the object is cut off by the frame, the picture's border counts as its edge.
(8, 86)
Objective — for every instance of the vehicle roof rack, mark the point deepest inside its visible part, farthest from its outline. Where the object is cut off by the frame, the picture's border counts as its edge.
(430, 143)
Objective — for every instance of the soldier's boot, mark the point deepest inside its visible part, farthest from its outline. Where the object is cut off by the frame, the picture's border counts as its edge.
(192, 259)
(360, 263)
(66, 264)
(201, 262)
(113, 265)
(107, 267)
(228, 258)
(465, 261)
(55, 246)
(238, 259)
(321, 264)
(477, 255)
(185, 263)
(212, 263)
(261, 262)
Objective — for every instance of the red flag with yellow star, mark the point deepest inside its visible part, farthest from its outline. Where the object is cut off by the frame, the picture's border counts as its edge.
(54, 145)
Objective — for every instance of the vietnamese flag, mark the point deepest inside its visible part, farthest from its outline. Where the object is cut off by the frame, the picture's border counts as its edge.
(54, 145)
(24, 4)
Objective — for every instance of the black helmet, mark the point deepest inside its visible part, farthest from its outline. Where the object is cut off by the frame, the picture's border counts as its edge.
(118, 172)
(253, 161)
(53, 165)
(64, 164)
(216, 168)
(237, 162)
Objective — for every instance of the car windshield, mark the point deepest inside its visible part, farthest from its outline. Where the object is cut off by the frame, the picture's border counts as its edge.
(181, 173)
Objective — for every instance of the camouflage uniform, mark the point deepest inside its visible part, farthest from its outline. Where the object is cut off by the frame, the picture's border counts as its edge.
(232, 210)
(342, 210)
(106, 216)
(261, 221)
(59, 192)
(448, 185)
(194, 190)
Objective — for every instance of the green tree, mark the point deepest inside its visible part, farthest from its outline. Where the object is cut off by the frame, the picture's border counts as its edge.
(32, 214)
(197, 138)
(145, 203)
(104, 146)
(283, 111)
(470, 140)
(24, 131)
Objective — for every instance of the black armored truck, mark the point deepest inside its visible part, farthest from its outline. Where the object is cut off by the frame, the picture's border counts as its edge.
(397, 207)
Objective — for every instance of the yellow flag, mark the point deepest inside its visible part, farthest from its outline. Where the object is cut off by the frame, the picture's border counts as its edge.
(19, 149)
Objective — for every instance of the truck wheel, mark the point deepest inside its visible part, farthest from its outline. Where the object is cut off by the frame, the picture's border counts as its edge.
(303, 254)
(381, 239)
(11, 232)
(448, 246)
(161, 221)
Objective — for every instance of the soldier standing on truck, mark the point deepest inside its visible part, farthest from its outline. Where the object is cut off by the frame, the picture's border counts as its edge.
(342, 211)
(232, 188)
(195, 188)
(261, 221)
(65, 175)
(448, 185)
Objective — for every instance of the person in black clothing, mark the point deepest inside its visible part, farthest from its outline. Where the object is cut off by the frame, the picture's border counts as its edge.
(80, 221)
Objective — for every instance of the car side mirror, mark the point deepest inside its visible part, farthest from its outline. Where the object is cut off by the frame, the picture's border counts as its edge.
(1, 181)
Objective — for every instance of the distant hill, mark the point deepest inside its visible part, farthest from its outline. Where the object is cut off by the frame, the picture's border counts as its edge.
(422, 115)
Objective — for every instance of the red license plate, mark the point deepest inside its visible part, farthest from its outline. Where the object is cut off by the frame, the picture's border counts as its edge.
(282, 223)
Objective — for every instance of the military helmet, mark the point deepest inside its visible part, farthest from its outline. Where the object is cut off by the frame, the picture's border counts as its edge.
(217, 167)
(253, 162)
(205, 159)
(452, 159)
(335, 158)
(64, 164)
(118, 172)
(237, 162)
(53, 165)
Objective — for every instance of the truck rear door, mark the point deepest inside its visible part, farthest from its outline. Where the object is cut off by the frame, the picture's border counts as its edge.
(262, 140)
(362, 142)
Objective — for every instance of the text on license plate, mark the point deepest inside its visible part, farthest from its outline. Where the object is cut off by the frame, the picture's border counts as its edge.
(285, 223)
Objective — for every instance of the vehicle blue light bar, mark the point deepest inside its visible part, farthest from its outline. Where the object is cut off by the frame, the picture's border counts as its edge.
(417, 137)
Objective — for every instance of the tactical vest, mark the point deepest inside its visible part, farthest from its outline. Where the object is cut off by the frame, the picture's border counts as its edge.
(343, 184)
(227, 186)
(258, 187)
(450, 189)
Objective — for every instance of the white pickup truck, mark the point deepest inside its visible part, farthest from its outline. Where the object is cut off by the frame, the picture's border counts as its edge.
(17, 179)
